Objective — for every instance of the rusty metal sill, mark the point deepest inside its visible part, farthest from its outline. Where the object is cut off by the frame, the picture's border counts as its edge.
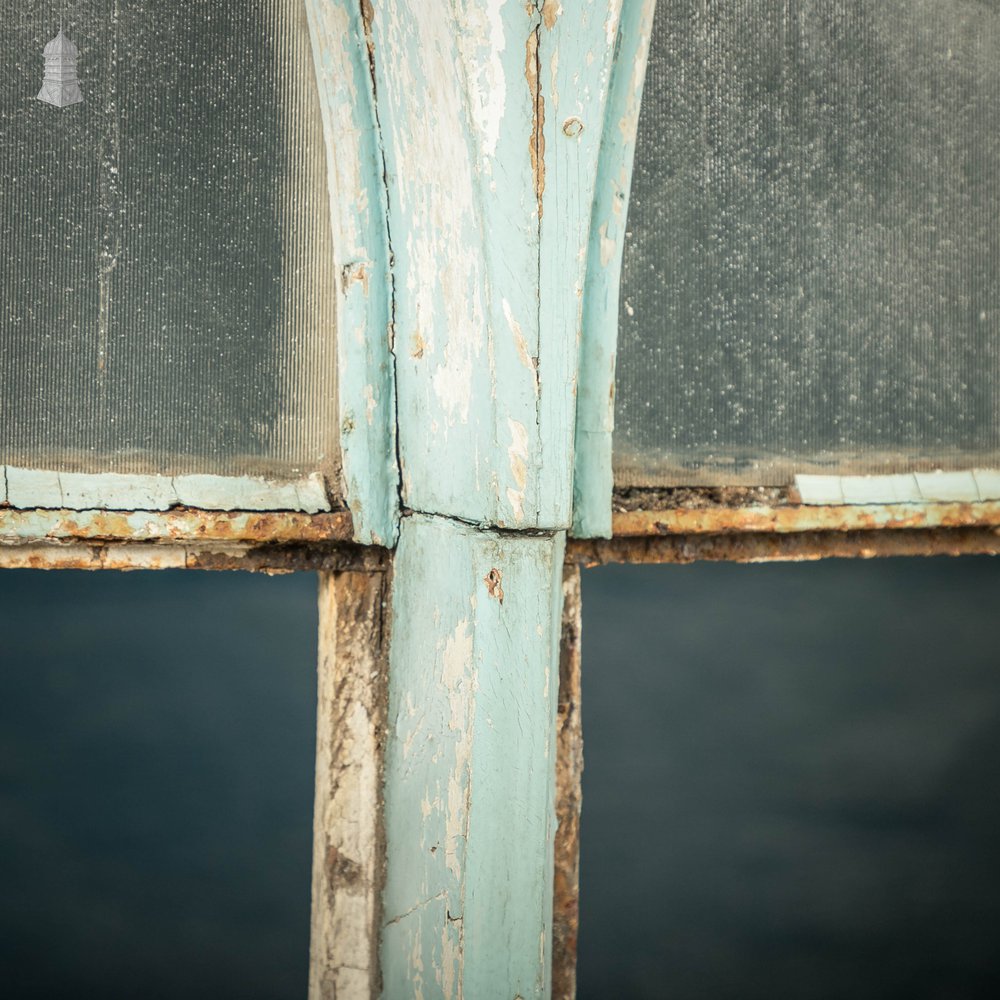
(763, 524)
(771, 546)
(182, 538)
(639, 514)
(756, 525)
(256, 558)
(179, 524)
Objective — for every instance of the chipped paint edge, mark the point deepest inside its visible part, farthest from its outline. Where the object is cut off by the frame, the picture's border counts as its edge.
(470, 755)
(348, 836)
(593, 477)
(576, 60)
(30, 489)
(970, 486)
(365, 362)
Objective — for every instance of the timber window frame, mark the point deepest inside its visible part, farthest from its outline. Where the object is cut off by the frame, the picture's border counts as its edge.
(478, 188)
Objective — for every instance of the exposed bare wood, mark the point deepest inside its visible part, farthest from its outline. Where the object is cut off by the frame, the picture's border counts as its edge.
(348, 836)
(569, 776)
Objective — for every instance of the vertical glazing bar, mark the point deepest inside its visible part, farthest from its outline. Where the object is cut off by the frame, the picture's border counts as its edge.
(365, 367)
(348, 839)
(569, 793)
(470, 762)
(593, 479)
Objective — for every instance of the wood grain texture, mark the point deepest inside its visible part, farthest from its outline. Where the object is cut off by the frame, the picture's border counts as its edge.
(365, 366)
(348, 840)
(491, 120)
(569, 793)
(576, 49)
(593, 477)
(456, 113)
(470, 762)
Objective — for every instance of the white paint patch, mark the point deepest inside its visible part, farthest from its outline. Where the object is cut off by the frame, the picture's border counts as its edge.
(31, 488)
(517, 454)
(974, 486)
(451, 955)
(948, 487)
(458, 680)
(608, 246)
(520, 342)
(369, 404)
(481, 42)
(417, 968)
(611, 24)
(453, 385)
(554, 77)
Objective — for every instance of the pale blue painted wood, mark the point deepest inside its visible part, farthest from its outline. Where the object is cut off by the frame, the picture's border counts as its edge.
(576, 49)
(366, 382)
(490, 184)
(470, 815)
(491, 118)
(593, 477)
(47, 489)
(456, 112)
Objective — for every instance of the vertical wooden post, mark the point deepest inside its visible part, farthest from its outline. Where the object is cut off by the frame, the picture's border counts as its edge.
(569, 794)
(488, 116)
(595, 409)
(348, 839)
(470, 762)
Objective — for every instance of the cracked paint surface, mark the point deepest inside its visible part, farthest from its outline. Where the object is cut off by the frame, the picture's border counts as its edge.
(489, 211)
(468, 760)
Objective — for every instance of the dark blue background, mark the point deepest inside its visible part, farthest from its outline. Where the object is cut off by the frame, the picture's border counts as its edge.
(790, 786)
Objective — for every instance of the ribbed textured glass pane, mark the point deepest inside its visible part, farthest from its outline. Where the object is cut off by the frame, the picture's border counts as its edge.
(165, 251)
(812, 276)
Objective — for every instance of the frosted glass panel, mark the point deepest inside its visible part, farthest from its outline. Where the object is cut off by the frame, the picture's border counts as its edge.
(165, 250)
(812, 275)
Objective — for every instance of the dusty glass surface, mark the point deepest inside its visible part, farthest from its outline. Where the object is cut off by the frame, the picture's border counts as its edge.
(812, 275)
(165, 250)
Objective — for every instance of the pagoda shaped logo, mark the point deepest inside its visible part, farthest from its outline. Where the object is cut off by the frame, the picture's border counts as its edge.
(61, 86)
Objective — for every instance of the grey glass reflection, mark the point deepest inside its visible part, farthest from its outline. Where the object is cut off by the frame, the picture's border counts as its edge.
(812, 276)
(165, 244)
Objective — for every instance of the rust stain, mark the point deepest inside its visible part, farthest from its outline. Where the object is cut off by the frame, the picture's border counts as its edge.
(569, 774)
(798, 547)
(271, 559)
(536, 141)
(351, 273)
(179, 524)
(788, 518)
(494, 584)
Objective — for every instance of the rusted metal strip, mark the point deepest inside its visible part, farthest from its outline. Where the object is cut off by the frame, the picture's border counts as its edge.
(569, 777)
(274, 558)
(790, 518)
(181, 524)
(287, 541)
(773, 547)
